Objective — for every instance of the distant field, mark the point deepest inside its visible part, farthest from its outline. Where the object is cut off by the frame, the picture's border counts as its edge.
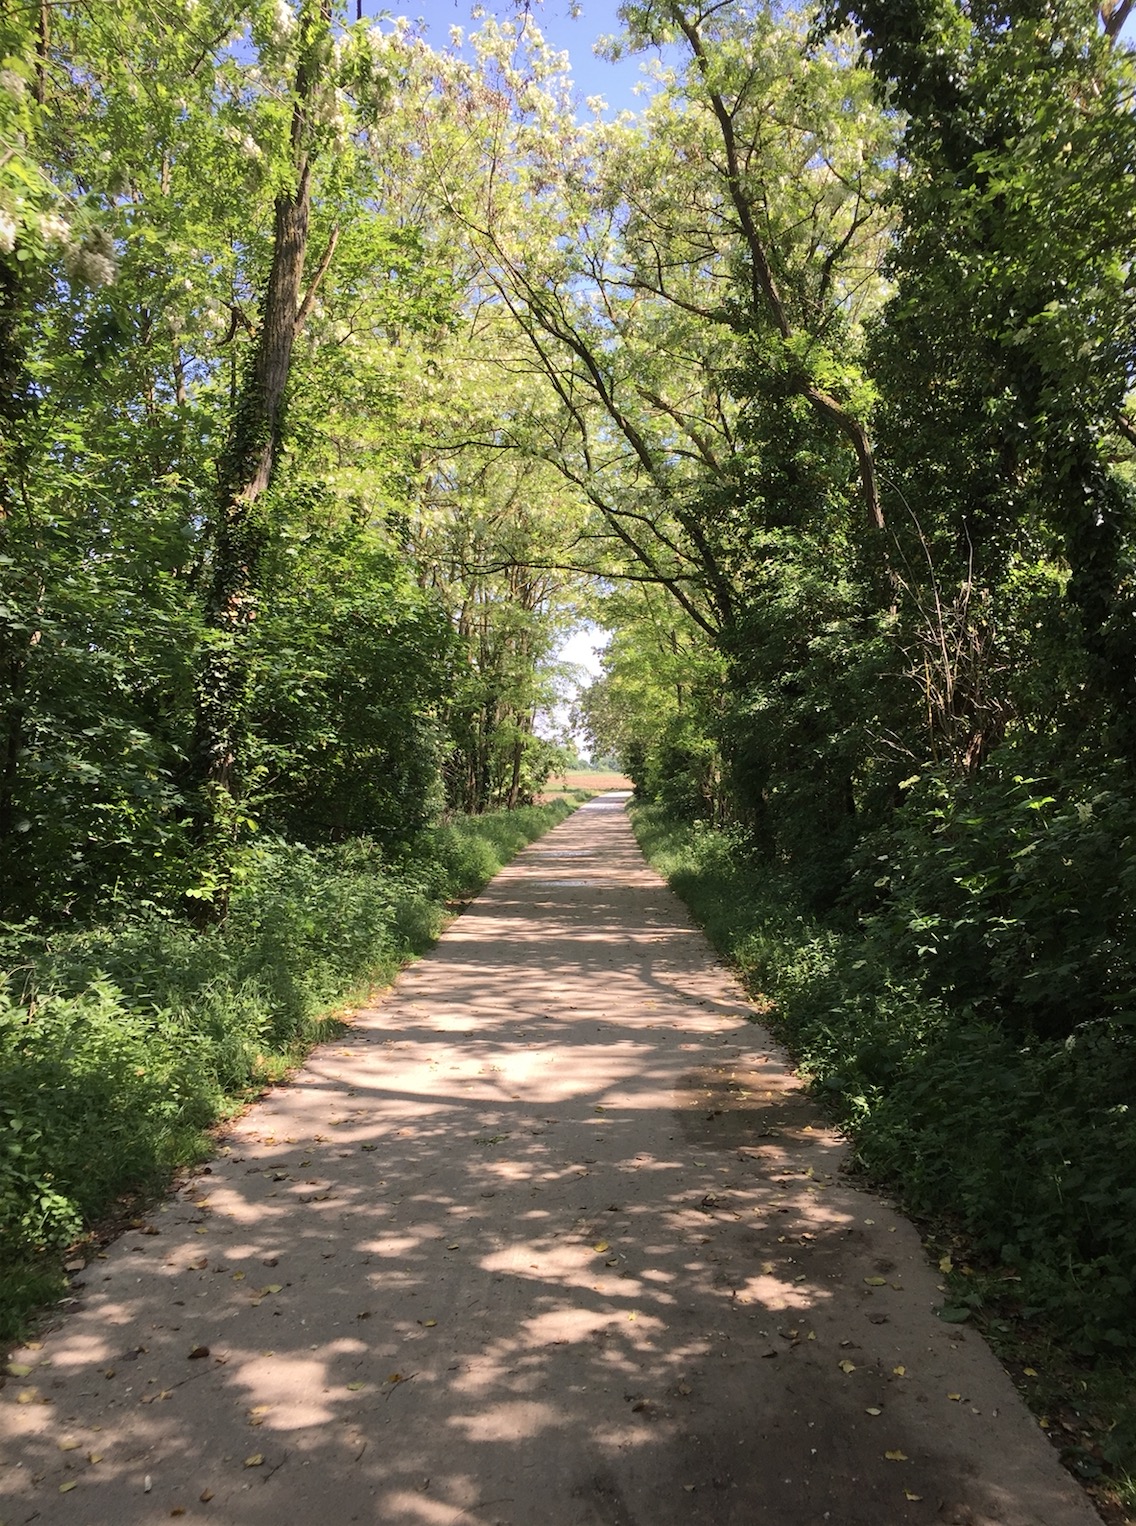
(559, 784)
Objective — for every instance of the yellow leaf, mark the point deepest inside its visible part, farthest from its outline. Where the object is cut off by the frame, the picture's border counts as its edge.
(956, 1397)
(27, 1396)
(94, 1457)
(900, 1372)
(946, 1264)
(67, 1487)
(271, 1287)
(909, 1495)
(355, 1387)
(255, 1461)
(238, 1276)
(600, 1246)
(847, 1366)
(872, 1410)
(896, 1456)
(18, 1369)
(876, 1282)
(455, 1246)
(1030, 1372)
(429, 1323)
(68, 1445)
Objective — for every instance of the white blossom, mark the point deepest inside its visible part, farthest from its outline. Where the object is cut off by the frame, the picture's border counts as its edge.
(91, 263)
(53, 229)
(283, 24)
(7, 232)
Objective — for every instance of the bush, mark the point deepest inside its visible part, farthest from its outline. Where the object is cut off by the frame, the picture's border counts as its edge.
(1026, 1144)
(120, 1044)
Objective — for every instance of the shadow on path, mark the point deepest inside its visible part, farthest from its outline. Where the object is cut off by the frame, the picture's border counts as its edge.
(553, 1236)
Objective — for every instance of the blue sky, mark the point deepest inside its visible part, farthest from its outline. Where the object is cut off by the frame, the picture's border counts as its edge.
(573, 35)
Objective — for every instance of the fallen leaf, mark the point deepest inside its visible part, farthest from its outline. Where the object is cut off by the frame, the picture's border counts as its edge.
(956, 1397)
(178, 1510)
(876, 1282)
(27, 1396)
(429, 1323)
(205, 1496)
(909, 1495)
(946, 1264)
(1030, 1372)
(67, 1487)
(255, 1461)
(19, 1369)
(94, 1457)
(272, 1287)
(197, 1353)
(355, 1387)
(68, 1445)
(954, 1314)
(394, 1377)
(455, 1246)
(896, 1456)
(600, 1246)
(900, 1372)
(847, 1366)
(238, 1276)
(872, 1410)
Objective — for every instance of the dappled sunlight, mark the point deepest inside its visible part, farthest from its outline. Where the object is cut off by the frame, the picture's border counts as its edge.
(510, 1420)
(549, 1234)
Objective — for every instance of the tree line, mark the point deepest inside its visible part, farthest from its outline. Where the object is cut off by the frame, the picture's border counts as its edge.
(341, 374)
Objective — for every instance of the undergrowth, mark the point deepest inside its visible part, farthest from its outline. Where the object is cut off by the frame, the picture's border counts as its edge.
(120, 1044)
(1019, 1153)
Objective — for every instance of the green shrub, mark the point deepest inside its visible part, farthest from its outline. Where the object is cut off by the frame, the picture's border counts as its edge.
(1028, 1144)
(120, 1044)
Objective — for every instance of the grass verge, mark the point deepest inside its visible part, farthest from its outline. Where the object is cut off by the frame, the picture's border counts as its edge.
(1018, 1160)
(121, 1044)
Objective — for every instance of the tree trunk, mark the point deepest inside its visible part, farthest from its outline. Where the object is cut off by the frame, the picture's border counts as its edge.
(245, 472)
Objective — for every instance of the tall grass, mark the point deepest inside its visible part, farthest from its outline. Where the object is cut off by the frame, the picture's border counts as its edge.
(120, 1044)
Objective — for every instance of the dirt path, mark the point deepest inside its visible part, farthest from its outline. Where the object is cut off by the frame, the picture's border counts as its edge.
(553, 1239)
